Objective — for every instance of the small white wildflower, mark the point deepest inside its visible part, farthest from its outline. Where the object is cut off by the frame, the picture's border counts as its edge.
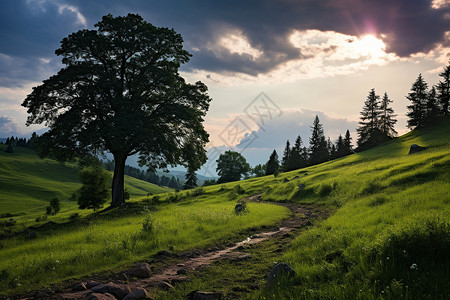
(413, 267)
(387, 257)
(57, 261)
(364, 248)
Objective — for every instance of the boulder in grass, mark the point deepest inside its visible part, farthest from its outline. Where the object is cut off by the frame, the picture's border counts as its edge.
(118, 291)
(165, 285)
(100, 296)
(140, 270)
(199, 295)
(137, 295)
(239, 208)
(280, 270)
(416, 148)
(301, 186)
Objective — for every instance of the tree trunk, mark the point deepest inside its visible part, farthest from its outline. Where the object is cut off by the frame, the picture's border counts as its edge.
(118, 197)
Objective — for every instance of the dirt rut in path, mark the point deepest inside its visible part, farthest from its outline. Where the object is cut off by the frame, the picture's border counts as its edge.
(301, 216)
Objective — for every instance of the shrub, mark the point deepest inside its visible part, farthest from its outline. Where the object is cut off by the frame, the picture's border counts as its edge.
(325, 190)
(48, 210)
(55, 205)
(371, 187)
(238, 189)
(148, 224)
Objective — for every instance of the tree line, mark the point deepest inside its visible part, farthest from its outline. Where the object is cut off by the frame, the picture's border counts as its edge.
(20, 142)
(320, 149)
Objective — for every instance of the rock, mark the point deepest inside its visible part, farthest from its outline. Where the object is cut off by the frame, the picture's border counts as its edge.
(314, 216)
(301, 186)
(278, 271)
(239, 208)
(165, 286)
(91, 284)
(415, 148)
(80, 286)
(181, 272)
(140, 270)
(199, 295)
(118, 291)
(40, 295)
(137, 295)
(99, 296)
(285, 180)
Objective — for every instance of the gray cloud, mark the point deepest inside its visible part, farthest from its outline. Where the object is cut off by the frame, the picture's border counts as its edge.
(30, 30)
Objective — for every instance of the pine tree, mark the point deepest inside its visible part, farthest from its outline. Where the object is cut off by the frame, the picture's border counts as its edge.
(348, 143)
(330, 148)
(340, 147)
(285, 160)
(418, 108)
(369, 134)
(318, 151)
(432, 106)
(191, 179)
(387, 120)
(273, 165)
(443, 90)
(296, 160)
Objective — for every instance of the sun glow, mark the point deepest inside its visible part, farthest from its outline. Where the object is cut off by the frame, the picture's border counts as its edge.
(370, 46)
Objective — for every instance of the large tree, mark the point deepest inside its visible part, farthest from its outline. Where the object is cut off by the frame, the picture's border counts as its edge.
(418, 109)
(120, 91)
(231, 166)
(318, 150)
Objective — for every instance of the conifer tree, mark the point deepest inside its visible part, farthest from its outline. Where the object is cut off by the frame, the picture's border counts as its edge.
(191, 179)
(296, 160)
(285, 160)
(273, 165)
(432, 106)
(387, 120)
(368, 132)
(318, 151)
(340, 147)
(418, 109)
(443, 90)
(348, 143)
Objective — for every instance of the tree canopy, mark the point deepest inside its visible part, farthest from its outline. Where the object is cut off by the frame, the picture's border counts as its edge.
(120, 91)
(231, 166)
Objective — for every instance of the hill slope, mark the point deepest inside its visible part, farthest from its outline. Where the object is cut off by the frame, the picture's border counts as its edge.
(27, 182)
(388, 238)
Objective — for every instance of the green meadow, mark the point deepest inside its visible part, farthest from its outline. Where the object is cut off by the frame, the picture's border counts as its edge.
(388, 236)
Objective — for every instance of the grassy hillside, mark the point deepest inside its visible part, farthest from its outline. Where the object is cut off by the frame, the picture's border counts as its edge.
(388, 238)
(28, 183)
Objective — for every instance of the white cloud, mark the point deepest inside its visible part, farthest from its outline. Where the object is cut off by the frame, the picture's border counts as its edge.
(237, 42)
(81, 20)
(438, 4)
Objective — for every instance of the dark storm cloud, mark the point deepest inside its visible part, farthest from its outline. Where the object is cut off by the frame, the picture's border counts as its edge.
(32, 29)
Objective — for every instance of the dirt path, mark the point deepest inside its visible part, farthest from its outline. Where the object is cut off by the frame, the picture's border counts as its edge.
(301, 216)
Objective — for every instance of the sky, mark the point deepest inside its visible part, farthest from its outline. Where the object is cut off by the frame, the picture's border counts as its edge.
(270, 66)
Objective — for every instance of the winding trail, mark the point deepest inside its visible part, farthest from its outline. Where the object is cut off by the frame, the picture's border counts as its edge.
(301, 216)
